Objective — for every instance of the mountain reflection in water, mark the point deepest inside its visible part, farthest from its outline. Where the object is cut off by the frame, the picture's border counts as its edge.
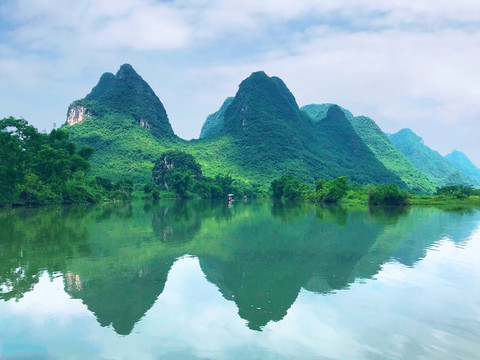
(116, 257)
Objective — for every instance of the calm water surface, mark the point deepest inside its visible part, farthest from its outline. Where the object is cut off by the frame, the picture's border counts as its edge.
(199, 280)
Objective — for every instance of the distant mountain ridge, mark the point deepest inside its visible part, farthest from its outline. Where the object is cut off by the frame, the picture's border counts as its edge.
(428, 161)
(462, 163)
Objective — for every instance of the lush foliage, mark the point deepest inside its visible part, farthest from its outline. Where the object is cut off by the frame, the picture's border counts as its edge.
(288, 187)
(331, 191)
(255, 137)
(39, 169)
(178, 171)
(268, 136)
(388, 194)
(458, 191)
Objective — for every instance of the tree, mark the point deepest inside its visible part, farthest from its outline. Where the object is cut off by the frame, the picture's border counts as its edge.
(388, 194)
(11, 157)
(174, 160)
(334, 190)
(38, 169)
(289, 187)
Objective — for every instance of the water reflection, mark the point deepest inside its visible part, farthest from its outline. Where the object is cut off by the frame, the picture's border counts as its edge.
(116, 258)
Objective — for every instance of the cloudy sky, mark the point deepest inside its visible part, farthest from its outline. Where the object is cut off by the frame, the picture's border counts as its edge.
(405, 64)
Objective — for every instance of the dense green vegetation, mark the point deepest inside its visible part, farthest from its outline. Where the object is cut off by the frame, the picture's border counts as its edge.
(255, 137)
(122, 148)
(428, 161)
(37, 169)
(178, 172)
(348, 154)
(288, 187)
(273, 137)
(264, 135)
(462, 163)
(388, 194)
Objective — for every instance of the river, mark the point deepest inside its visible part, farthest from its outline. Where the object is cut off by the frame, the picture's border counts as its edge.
(256, 280)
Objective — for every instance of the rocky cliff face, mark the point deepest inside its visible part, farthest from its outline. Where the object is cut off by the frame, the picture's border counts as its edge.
(76, 114)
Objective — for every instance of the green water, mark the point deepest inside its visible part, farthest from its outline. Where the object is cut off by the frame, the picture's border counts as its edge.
(259, 280)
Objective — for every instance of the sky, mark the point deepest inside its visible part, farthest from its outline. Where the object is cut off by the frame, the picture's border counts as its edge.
(405, 64)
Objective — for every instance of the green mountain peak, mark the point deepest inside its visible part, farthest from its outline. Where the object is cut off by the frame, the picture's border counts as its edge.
(263, 105)
(125, 94)
(409, 135)
(462, 163)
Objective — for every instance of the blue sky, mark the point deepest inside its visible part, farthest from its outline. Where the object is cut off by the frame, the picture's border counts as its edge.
(404, 64)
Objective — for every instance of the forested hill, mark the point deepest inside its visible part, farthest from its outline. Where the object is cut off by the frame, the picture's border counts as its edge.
(272, 136)
(339, 141)
(125, 94)
(393, 160)
(428, 161)
(266, 132)
(461, 162)
(125, 123)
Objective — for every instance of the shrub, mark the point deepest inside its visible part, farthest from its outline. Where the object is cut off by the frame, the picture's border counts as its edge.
(388, 194)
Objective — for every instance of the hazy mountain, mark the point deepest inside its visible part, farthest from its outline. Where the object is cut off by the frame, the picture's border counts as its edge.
(215, 121)
(428, 161)
(461, 162)
(318, 112)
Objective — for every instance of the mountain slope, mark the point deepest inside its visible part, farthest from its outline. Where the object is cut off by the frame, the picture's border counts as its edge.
(215, 121)
(428, 161)
(462, 163)
(264, 133)
(393, 160)
(348, 152)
